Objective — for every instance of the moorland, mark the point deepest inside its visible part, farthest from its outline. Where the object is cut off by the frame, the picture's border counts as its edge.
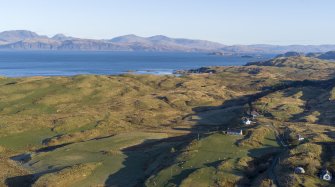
(148, 130)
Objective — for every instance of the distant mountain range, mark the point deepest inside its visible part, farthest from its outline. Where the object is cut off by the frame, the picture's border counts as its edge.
(27, 40)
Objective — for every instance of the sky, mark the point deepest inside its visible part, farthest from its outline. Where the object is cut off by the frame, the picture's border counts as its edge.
(279, 22)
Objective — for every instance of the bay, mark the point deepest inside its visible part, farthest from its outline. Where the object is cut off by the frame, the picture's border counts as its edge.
(66, 63)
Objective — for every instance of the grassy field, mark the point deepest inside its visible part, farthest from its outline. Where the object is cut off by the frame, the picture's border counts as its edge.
(107, 151)
(214, 160)
(26, 140)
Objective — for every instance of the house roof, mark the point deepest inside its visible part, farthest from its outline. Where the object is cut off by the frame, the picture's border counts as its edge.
(234, 131)
(324, 172)
(299, 170)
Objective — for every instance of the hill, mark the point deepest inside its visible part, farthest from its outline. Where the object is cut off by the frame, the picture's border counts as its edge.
(18, 35)
(290, 54)
(299, 62)
(330, 55)
(146, 130)
(27, 40)
(275, 49)
(327, 56)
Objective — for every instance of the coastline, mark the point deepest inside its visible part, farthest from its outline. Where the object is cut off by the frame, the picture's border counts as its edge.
(27, 64)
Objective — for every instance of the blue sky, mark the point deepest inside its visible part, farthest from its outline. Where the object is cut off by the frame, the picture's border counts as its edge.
(225, 21)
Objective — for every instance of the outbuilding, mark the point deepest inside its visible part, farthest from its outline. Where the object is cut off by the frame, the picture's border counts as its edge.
(300, 138)
(234, 132)
(325, 175)
(299, 170)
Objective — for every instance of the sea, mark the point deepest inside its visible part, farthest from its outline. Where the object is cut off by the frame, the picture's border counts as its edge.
(61, 63)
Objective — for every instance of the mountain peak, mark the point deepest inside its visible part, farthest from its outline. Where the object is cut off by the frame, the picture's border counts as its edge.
(17, 35)
(19, 32)
(159, 37)
(61, 37)
(131, 35)
(130, 38)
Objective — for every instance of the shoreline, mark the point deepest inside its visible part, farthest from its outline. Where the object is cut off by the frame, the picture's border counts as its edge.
(138, 72)
(25, 64)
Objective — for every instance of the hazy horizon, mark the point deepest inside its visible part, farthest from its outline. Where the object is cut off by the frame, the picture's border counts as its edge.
(299, 22)
(52, 35)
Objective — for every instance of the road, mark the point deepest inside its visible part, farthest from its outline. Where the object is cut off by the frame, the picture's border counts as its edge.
(281, 142)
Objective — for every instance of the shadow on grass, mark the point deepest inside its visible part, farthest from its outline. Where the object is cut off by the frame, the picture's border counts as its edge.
(21, 181)
(142, 161)
(151, 156)
(314, 103)
(328, 155)
(178, 179)
(27, 180)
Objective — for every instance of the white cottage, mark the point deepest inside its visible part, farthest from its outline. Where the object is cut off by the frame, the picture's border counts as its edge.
(300, 138)
(246, 121)
(325, 175)
(299, 170)
(234, 132)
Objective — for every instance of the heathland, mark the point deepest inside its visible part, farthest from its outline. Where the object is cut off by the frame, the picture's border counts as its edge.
(147, 130)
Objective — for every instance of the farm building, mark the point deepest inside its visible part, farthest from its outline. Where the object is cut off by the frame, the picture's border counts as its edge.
(325, 175)
(234, 132)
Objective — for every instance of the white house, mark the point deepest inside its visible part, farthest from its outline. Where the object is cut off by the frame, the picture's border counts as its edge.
(299, 170)
(234, 132)
(300, 138)
(325, 175)
(248, 122)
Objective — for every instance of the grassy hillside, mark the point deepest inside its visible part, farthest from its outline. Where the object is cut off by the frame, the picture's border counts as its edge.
(299, 62)
(215, 160)
(135, 130)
